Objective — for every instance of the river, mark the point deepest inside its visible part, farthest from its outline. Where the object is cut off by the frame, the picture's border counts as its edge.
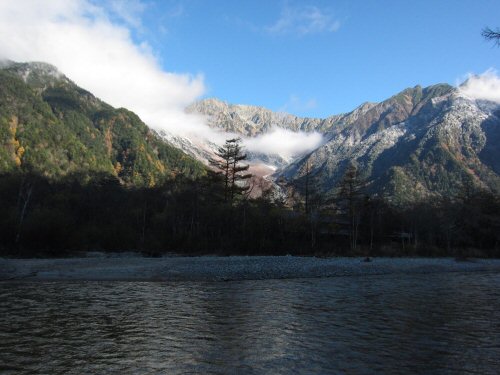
(420, 323)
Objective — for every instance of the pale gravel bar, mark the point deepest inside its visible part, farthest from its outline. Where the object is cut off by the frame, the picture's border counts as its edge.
(211, 268)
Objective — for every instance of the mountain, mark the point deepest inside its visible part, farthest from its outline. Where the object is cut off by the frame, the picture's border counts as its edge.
(50, 125)
(251, 121)
(418, 143)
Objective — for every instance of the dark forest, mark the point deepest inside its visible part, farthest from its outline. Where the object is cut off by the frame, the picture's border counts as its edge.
(42, 217)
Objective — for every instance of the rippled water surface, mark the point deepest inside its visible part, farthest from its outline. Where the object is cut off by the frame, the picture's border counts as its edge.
(437, 323)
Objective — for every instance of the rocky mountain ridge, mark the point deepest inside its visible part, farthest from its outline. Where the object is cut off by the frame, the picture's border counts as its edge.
(419, 143)
(248, 120)
(433, 147)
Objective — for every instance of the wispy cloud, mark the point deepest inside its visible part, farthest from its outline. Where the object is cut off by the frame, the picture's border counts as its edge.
(485, 86)
(177, 11)
(296, 104)
(303, 20)
(128, 11)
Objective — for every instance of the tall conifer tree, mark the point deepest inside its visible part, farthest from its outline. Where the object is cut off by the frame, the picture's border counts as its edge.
(228, 165)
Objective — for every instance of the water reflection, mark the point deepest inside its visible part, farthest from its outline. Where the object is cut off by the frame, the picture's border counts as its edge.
(448, 323)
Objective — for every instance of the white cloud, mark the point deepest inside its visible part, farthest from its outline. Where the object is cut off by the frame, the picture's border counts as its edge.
(485, 86)
(303, 20)
(284, 142)
(81, 39)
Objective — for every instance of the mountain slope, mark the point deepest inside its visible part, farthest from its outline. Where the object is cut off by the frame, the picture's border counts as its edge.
(418, 143)
(50, 125)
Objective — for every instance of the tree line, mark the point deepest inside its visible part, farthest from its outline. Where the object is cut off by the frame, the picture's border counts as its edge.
(212, 214)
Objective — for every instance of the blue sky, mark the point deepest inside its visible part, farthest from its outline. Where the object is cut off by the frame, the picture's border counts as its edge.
(317, 58)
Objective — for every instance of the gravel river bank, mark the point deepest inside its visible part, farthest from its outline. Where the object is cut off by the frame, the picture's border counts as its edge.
(211, 268)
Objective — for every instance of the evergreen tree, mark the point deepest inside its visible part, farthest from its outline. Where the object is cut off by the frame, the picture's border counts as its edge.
(350, 200)
(228, 165)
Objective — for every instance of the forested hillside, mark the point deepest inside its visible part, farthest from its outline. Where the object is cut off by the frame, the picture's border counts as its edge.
(51, 126)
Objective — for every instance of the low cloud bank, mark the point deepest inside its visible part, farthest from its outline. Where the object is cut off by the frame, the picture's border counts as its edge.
(485, 86)
(284, 142)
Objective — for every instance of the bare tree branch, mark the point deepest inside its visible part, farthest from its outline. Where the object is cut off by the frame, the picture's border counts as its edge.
(490, 34)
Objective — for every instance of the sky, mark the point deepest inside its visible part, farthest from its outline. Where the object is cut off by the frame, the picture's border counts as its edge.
(308, 58)
(318, 58)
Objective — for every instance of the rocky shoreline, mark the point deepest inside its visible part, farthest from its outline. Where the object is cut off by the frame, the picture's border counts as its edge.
(211, 268)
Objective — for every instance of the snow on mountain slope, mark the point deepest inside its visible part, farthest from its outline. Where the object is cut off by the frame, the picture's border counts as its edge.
(420, 142)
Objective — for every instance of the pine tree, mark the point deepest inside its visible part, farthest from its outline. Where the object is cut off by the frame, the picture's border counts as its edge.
(350, 199)
(228, 165)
